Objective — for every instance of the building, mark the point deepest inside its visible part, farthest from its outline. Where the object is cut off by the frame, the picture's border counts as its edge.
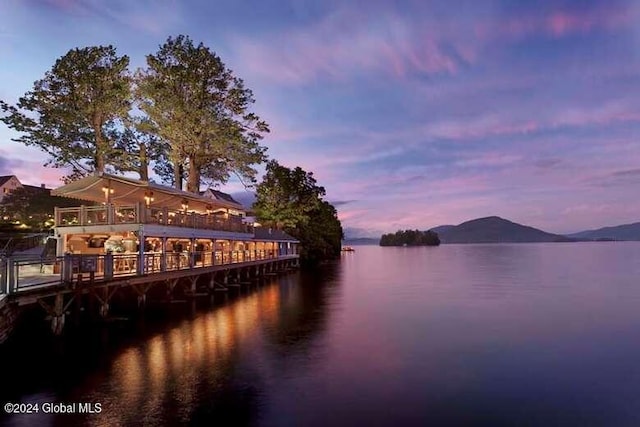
(154, 228)
(8, 183)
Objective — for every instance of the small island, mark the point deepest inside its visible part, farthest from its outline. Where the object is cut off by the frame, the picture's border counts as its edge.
(410, 238)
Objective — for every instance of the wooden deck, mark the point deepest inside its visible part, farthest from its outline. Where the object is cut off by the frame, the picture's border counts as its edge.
(34, 282)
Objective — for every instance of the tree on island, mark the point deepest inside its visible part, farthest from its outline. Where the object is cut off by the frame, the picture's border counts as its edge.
(291, 200)
(410, 238)
(68, 112)
(196, 104)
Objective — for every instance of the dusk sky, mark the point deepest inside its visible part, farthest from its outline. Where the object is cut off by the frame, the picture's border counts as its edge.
(411, 114)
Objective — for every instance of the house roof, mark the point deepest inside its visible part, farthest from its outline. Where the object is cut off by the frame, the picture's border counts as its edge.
(37, 188)
(130, 191)
(264, 233)
(223, 196)
(5, 178)
(219, 195)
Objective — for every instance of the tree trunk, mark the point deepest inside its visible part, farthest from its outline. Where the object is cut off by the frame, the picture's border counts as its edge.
(100, 142)
(193, 183)
(178, 173)
(144, 163)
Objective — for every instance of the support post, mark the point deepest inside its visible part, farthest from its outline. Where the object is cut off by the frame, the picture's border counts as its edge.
(11, 276)
(141, 240)
(67, 268)
(192, 253)
(163, 260)
(83, 215)
(142, 300)
(57, 317)
(108, 266)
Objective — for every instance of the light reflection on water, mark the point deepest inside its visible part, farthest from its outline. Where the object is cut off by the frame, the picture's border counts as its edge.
(540, 334)
(172, 365)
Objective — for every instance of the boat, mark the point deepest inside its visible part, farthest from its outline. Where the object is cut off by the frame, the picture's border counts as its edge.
(348, 249)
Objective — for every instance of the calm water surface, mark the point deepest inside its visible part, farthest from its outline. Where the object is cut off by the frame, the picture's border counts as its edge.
(470, 335)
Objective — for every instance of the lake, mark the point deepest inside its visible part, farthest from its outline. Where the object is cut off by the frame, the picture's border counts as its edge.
(464, 335)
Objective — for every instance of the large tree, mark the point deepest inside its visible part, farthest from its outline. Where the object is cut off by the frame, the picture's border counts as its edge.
(285, 197)
(137, 146)
(290, 199)
(202, 111)
(67, 113)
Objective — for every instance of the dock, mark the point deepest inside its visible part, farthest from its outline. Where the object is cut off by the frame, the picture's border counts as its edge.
(61, 284)
(137, 240)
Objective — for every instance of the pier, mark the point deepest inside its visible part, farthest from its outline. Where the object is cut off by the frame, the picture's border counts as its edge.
(61, 284)
(138, 240)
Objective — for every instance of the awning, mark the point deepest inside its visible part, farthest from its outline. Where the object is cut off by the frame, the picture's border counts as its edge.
(119, 190)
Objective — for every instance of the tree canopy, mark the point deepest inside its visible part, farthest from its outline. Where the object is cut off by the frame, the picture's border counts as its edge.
(410, 238)
(290, 199)
(67, 113)
(137, 146)
(186, 115)
(286, 197)
(201, 110)
(32, 206)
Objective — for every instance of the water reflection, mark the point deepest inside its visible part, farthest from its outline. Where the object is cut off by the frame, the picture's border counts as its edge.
(207, 368)
(456, 335)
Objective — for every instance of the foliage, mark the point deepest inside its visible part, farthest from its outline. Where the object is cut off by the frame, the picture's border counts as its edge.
(67, 113)
(33, 206)
(291, 200)
(320, 236)
(286, 197)
(137, 146)
(201, 110)
(410, 238)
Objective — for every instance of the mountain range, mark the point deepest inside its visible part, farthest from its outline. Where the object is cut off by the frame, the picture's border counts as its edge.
(619, 232)
(494, 229)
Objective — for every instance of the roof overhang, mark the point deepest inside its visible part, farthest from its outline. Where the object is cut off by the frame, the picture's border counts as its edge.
(120, 190)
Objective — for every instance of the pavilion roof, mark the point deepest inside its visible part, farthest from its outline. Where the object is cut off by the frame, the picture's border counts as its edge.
(127, 191)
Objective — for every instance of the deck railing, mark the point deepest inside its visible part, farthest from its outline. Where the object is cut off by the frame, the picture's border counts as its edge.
(111, 214)
(4, 283)
(20, 275)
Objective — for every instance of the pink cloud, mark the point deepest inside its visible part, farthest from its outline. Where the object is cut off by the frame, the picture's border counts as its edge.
(154, 17)
(349, 42)
(557, 23)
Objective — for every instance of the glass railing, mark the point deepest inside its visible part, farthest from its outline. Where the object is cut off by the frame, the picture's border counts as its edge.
(112, 215)
(20, 275)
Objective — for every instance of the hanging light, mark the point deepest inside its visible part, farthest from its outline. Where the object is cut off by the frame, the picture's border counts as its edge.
(148, 197)
(107, 192)
(185, 204)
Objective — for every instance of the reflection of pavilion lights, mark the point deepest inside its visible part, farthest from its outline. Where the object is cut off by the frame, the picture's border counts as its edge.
(177, 345)
(130, 373)
(157, 361)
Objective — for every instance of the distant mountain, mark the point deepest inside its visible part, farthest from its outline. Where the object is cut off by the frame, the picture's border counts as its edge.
(245, 198)
(442, 228)
(494, 229)
(361, 241)
(357, 232)
(619, 232)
